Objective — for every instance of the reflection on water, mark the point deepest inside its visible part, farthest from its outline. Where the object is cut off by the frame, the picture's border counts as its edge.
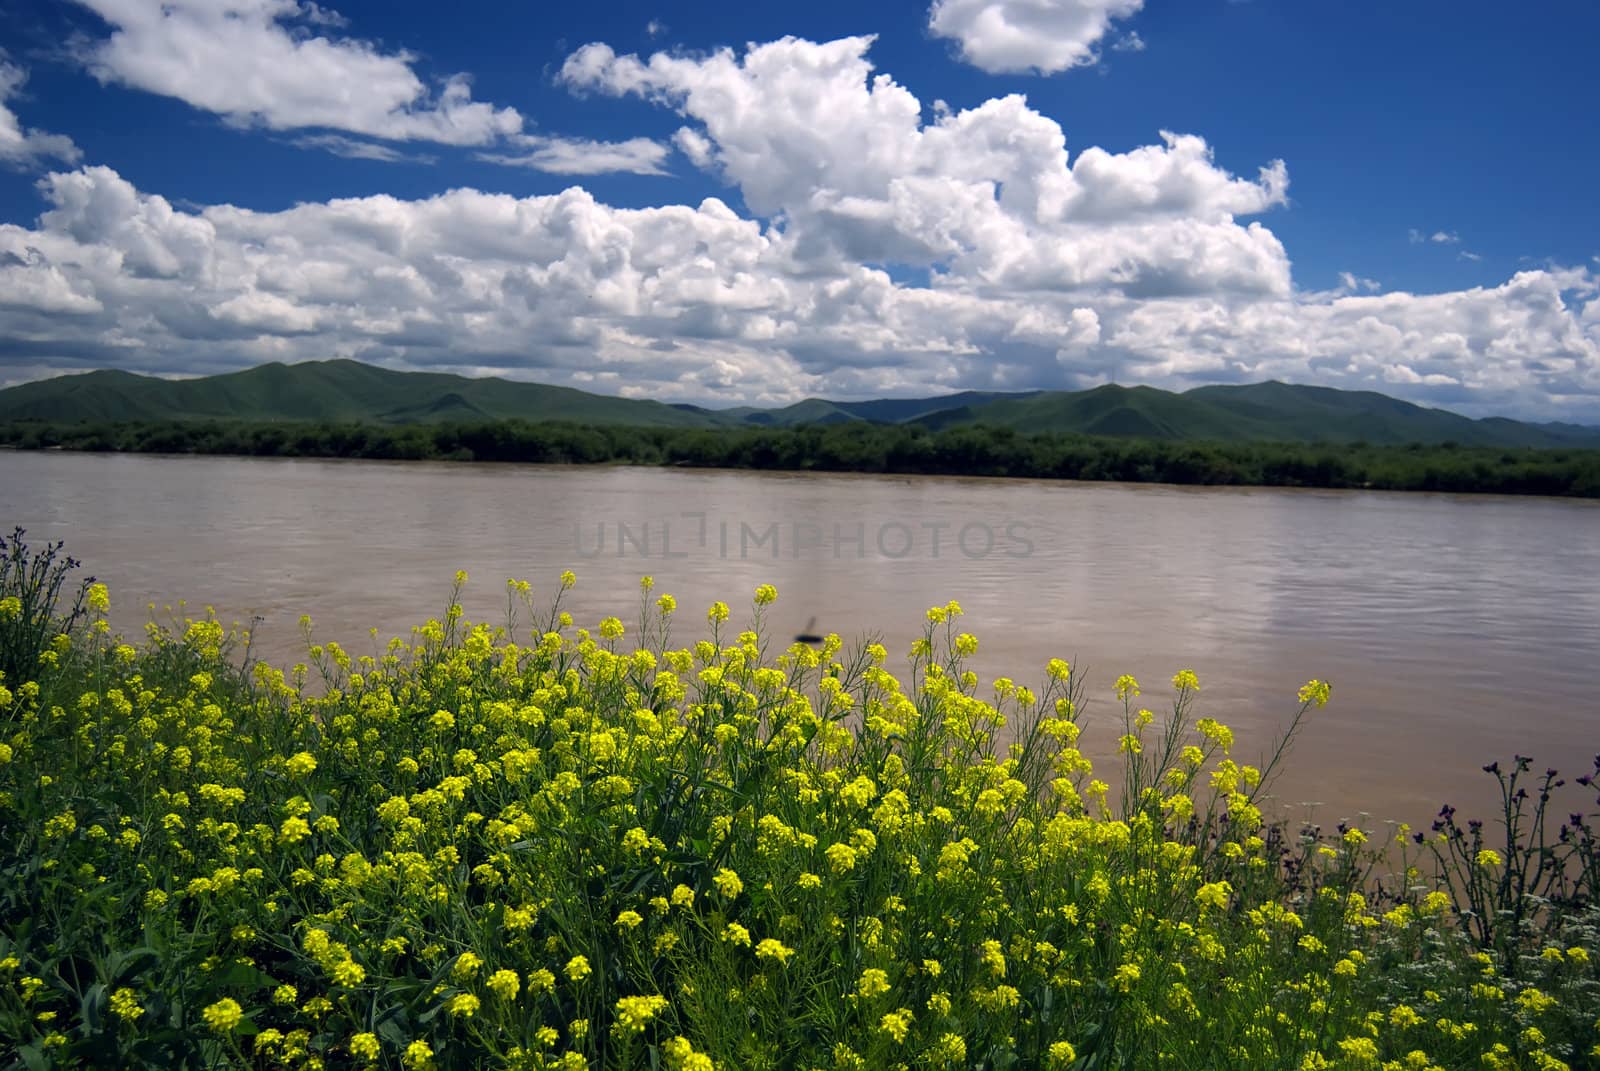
(1455, 630)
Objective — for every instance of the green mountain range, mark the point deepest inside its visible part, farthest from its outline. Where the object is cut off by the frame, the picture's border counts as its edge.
(351, 392)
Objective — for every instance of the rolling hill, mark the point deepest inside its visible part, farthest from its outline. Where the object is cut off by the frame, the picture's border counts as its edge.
(1257, 412)
(324, 391)
(351, 392)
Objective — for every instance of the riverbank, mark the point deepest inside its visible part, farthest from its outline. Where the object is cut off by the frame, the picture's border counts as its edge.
(869, 448)
(667, 842)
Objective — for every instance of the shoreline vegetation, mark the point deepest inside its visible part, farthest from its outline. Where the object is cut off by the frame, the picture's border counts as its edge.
(966, 450)
(672, 844)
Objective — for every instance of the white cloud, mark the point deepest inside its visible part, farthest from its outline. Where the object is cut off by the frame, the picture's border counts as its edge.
(1045, 270)
(987, 197)
(142, 237)
(30, 285)
(1351, 283)
(267, 314)
(356, 149)
(1129, 42)
(697, 303)
(279, 64)
(317, 15)
(580, 156)
(19, 146)
(1518, 347)
(1417, 237)
(256, 62)
(1017, 36)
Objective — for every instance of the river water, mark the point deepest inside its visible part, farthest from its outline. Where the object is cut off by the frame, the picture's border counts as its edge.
(1455, 629)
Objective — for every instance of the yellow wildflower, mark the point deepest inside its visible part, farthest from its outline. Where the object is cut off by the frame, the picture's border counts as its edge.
(771, 948)
(873, 982)
(365, 1046)
(897, 1024)
(223, 1016)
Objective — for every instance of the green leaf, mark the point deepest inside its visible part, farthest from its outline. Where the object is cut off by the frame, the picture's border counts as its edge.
(126, 966)
(392, 1028)
(92, 1009)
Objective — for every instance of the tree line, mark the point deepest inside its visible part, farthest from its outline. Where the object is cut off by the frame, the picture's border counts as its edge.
(968, 450)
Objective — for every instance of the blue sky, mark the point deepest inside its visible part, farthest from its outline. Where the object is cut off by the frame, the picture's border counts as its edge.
(1384, 196)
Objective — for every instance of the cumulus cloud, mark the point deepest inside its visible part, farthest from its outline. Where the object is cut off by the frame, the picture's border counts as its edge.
(1437, 237)
(698, 303)
(986, 197)
(1041, 36)
(1519, 347)
(21, 147)
(1042, 269)
(581, 156)
(262, 62)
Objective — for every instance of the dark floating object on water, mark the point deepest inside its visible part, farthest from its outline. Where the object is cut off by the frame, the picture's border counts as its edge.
(808, 636)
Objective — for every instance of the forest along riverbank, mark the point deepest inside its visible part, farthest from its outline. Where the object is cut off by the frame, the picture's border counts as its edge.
(976, 450)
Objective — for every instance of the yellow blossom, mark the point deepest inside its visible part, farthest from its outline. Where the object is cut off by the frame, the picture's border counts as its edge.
(897, 1024)
(365, 1046)
(770, 948)
(634, 1013)
(873, 982)
(223, 1016)
(1315, 692)
(728, 883)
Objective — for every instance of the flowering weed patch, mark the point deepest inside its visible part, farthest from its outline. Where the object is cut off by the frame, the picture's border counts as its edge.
(537, 846)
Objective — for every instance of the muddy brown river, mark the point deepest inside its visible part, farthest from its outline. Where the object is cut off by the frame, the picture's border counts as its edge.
(1455, 629)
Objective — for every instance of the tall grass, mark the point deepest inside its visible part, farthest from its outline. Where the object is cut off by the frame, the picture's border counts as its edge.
(535, 845)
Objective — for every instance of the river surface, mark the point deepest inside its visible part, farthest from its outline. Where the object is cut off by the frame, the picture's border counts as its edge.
(1455, 629)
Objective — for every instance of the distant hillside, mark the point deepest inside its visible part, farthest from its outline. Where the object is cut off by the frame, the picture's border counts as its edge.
(324, 391)
(1352, 416)
(878, 411)
(350, 392)
(1258, 412)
